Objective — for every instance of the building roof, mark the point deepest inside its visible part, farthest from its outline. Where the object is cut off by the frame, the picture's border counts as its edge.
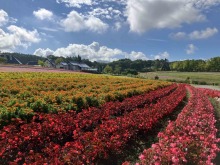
(80, 65)
(84, 66)
(74, 63)
(63, 63)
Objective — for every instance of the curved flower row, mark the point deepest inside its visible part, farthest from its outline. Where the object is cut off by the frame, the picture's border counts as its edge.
(189, 139)
(210, 92)
(19, 140)
(89, 118)
(113, 134)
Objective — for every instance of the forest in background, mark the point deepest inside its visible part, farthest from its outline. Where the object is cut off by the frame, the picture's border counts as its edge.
(127, 66)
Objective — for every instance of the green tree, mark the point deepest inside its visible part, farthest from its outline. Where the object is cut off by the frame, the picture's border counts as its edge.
(59, 60)
(165, 65)
(214, 64)
(157, 65)
(41, 63)
(2, 60)
(117, 69)
(108, 69)
(79, 59)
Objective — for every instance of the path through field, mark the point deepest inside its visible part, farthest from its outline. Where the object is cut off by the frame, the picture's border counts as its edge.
(31, 69)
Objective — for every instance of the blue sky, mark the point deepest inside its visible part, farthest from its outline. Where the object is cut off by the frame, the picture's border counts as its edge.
(107, 30)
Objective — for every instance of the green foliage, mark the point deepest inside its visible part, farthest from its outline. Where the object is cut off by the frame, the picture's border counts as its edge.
(124, 65)
(25, 58)
(130, 72)
(41, 63)
(39, 106)
(117, 69)
(2, 60)
(59, 60)
(212, 65)
(108, 69)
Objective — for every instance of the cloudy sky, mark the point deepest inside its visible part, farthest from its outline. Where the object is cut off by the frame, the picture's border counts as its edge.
(107, 30)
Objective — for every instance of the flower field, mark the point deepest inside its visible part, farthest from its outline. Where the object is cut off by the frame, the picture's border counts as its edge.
(52, 118)
(24, 94)
(191, 138)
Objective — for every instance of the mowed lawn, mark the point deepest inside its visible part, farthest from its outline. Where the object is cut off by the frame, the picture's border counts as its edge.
(208, 77)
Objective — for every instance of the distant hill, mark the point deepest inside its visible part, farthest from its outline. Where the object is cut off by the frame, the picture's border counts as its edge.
(25, 58)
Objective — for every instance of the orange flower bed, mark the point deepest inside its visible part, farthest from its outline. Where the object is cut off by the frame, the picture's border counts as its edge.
(24, 94)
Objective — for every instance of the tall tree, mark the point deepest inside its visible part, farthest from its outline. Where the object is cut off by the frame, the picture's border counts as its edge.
(108, 69)
(214, 64)
(59, 60)
(117, 69)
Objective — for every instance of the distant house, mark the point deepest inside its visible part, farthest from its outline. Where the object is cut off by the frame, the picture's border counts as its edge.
(10, 59)
(84, 67)
(75, 66)
(63, 65)
(49, 63)
(79, 66)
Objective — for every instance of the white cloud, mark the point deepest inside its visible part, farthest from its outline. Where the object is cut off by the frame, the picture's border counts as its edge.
(195, 35)
(162, 55)
(17, 36)
(118, 26)
(76, 22)
(136, 55)
(3, 17)
(43, 14)
(108, 13)
(93, 52)
(191, 49)
(48, 29)
(144, 15)
(75, 3)
(204, 4)
(179, 35)
(203, 34)
(96, 25)
(43, 52)
(120, 2)
(99, 12)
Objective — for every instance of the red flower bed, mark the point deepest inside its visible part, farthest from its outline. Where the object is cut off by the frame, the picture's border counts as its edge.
(113, 134)
(190, 139)
(89, 118)
(19, 140)
(43, 138)
(210, 92)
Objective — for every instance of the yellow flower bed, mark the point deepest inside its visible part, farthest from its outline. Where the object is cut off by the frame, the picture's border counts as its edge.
(23, 94)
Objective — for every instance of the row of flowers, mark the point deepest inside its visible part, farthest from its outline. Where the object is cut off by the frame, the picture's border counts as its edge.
(210, 92)
(113, 134)
(89, 118)
(191, 139)
(47, 133)
(22, 95)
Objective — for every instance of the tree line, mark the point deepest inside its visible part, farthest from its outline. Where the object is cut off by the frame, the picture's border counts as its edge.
(211, 65)
(127, 66)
